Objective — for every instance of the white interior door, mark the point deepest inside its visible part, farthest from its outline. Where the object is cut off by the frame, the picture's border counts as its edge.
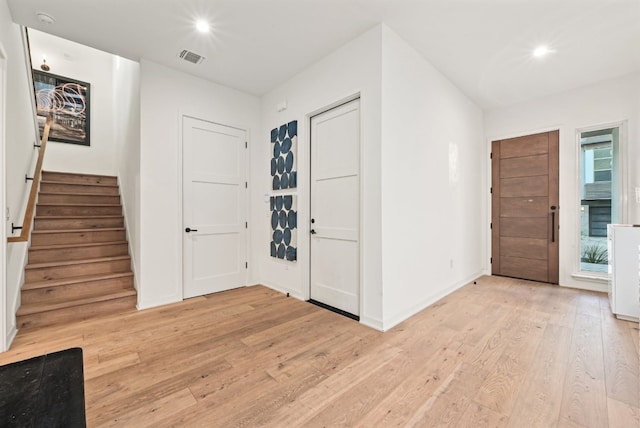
(335, 207)
(214, 207)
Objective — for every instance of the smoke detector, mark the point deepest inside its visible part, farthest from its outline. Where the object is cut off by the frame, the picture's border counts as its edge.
(191, 57)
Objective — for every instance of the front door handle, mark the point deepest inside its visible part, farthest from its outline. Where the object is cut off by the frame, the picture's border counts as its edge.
(313, 232)
(188, 229)
(553, 223)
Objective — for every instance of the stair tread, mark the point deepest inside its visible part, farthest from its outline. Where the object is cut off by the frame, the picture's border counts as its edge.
(76, 262)
(34, 285)
(77, 184)
(33, 308)
(81, 174)
(102, 229)
(83, 245)
(56, 217)
(74, 194)
(67, 204)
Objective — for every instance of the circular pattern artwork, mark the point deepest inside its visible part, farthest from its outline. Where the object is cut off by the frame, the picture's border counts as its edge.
(284, 227)
(283, 162)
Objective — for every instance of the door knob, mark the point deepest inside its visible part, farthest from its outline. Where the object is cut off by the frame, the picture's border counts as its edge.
(188, 229)
(313, 232)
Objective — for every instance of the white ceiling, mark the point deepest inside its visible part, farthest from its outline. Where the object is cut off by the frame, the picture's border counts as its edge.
(483, 46)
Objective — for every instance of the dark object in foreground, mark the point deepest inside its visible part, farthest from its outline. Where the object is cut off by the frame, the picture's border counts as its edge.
(45, 391)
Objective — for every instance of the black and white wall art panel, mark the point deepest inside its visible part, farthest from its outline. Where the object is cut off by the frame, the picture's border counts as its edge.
(284, 227)
(284, 142)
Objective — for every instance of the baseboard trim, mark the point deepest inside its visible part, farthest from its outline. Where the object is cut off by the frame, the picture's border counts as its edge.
(285, 290)
(425, 303)
(588, 286)
(155, 304)
(373, 323)
(11, 335)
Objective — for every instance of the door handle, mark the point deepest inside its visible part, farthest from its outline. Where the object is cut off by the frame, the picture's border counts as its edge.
(313, 232)
(188, 229)
(553, 223)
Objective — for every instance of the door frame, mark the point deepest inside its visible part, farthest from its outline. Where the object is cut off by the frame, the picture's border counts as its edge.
(179, 158)
(3, 203)
(487, 187)
(307, 218)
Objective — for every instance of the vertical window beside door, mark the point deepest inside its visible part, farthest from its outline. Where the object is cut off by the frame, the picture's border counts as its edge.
(599, 194)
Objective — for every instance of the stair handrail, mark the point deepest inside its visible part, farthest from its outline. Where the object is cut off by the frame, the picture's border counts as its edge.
(35, 185)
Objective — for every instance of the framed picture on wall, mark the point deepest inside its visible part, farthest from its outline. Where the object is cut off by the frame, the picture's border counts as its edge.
(67, 102)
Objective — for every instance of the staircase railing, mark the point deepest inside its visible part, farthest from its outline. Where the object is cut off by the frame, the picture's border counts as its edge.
(25, 229)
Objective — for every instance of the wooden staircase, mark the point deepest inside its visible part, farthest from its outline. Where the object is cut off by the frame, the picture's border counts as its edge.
(79, 265)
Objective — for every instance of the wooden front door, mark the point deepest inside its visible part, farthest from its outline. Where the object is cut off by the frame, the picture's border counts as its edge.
(524, 207)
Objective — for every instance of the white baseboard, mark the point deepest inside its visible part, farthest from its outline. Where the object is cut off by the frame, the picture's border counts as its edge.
(589, 286)
(284, 290)
(11, 334)
(156, 303)
(16, 262)
(128, 234)
(396, 319)
(373, 323)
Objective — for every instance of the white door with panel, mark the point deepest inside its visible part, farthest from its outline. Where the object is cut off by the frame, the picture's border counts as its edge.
(335, 207)
(214, 207)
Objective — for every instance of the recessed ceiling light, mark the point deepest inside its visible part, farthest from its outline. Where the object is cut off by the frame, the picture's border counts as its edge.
(542, 51)
(45, 18)
(202, 26)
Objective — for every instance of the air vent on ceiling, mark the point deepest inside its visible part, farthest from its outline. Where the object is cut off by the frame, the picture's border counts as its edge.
(191, 57)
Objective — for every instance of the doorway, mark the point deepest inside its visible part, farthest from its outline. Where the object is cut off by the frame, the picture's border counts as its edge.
(214, 207)
(335, 208)
(525, 207)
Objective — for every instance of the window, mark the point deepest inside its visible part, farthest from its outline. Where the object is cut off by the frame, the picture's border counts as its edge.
(602, 158)
(599, 194)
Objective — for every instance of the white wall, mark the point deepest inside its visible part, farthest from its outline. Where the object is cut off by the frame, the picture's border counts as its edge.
(419, 131)
(165, 94)
(20, 131)
(604, 103)
(352, 69)
(3, 202)
(126, 126)
(95, 67)
(432, 176)
(19, 136)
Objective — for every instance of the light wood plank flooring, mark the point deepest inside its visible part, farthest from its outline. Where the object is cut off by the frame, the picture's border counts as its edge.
(502, 352)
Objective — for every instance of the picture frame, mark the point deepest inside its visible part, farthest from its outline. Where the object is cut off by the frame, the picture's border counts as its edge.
(67, 101)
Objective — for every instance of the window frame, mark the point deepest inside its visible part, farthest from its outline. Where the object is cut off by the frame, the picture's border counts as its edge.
(622, 188)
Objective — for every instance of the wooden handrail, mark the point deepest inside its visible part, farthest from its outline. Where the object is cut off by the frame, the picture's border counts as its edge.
(35, 185)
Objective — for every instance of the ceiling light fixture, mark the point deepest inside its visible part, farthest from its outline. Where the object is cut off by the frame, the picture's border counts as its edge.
(202, 26)
(44, 66)
(45, 18)
(542, 51)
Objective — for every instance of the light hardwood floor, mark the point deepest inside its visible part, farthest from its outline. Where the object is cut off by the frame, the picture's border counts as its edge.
(502, 352)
